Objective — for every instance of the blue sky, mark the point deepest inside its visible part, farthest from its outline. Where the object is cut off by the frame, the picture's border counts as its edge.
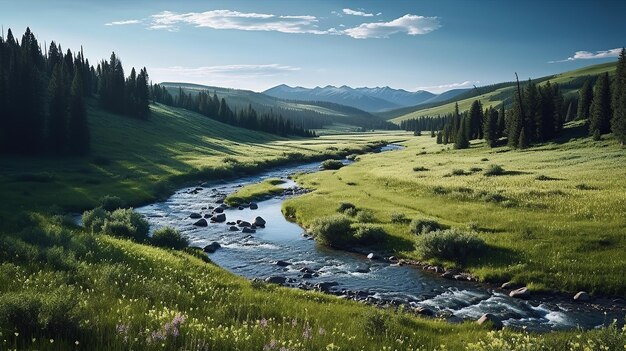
(431, 45)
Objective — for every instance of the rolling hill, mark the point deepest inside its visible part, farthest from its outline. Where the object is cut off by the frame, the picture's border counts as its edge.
(312, 114)
(367, 99)
(496, 94)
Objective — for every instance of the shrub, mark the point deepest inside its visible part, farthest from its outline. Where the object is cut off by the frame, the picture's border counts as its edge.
(170, 238)
(332, 230)
(398, 217)
(127, 223)
(365, 216)
(423, 225)
(111, 203)
(494, 170)
(351, 212)
(352, 157)
(475, 169)
(419, 169)
(450, 244)
(439, 190)
(375, 323)
(369, 234)
(331, 164)
(94, 219)
(458, 172)
(343, 206)
(484, 159)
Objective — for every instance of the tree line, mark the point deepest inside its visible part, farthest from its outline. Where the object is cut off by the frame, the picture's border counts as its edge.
(213, 107)
(537, 114)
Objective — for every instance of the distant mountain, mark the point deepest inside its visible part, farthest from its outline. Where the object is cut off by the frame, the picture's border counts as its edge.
(445, 96)
(367, 99)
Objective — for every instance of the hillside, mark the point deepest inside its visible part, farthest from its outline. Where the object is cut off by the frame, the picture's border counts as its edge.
(570, 82)
(367, 99)
(313, 114)
(137, 160)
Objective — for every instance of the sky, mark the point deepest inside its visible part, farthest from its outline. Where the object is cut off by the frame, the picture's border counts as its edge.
(413, 45)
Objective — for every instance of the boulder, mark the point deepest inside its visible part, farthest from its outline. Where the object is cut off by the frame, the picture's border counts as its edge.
(424, 311)
(224, 206)
(372, 256)
(240, 208)
(201, 223)
(233, 228)
(306, 270)
(508, 285)
(582, 296)
(231, 223)
(275, 279)
(219, 218)
(489, 318)
(243, 224)
(259, 222)
(448, 274)
(282, 263)
(520, 293)
(362, 270)
(195, 215)
(206, 215)
(325, 286)
(212, 247)
(218, 210)
(307, 276)
(254, 206)
(247, 230)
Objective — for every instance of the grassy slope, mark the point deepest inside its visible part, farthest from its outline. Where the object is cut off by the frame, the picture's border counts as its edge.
(255, 192)
(495, 98)
(565, 234)
(136, 160)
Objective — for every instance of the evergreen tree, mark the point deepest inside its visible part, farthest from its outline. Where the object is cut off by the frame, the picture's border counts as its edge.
(439, 138)
(522, 142)
(501, 122)
(569, 116)
(57, 112)
(78, 128)
(601, 106)
(490, 126)
(618, 122)
(585, 95)
(515, 120)
(462, 139)
(476, 120)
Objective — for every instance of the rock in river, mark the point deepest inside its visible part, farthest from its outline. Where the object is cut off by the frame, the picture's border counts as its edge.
(490, 318)
(219, 218)
(259, 222)
(521, 293)
(195, 215)
(248, 230)
(201, 223)
(218, 210)
(253, 206)
(276, 279)
(282, 263)
(212, 247)
(233, 228)
(581, 296)
(243, 224)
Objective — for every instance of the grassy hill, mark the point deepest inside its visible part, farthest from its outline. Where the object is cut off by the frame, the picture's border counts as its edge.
(570, 82)
(138, 160)
(327, 112)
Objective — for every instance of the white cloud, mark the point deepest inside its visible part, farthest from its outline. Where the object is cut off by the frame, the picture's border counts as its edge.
(240, 71)
(587, 55)
(448, 86)
(121, 23)
(357, 13)
(227, 19)
(409, 24)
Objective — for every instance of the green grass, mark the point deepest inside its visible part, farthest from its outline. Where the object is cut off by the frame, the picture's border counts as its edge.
(141, 161)
(564, 233)
(255, 192)
(496, 97)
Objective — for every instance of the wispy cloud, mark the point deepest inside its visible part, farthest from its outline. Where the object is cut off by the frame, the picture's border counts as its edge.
(588, 55)
(448, 86)
(409, 24)
(359, 12)
(227, 19)
(240, 71)
(121, 23)
(295, 24)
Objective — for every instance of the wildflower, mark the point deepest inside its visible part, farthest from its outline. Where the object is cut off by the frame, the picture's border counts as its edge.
(263, 323)
(294, 322)
(76, 342)
(272, 344)
(51, 341)
(306, 333)
(321, 331)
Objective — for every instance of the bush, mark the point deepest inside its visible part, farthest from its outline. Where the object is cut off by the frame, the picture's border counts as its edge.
(475, 169)
(331, 164)
(352, 157)
(398, 217)
(94, 219)
(111, 203)
(494, 170)
(368, 235)
(127, 223)
(458, 172)
(419, 169)
(365, 216)
(332, 230)
(343, 206)
(423, 225)
(450, 244)
(351, 212)
(170, 238)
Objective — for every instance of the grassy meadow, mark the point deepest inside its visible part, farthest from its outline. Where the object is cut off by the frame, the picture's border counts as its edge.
(553, 219)
(255, 192)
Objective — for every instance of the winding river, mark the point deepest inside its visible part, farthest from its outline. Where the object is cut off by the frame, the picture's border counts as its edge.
(255, 256)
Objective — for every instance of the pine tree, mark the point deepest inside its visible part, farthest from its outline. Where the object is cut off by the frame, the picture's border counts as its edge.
(618, 122)
(501, 122)
(476, 120)
(515, 121)
(601, 106)
(490, 126)
(439, 138)
(585, 95)
(78, 129)
(57, 111)
(522, 142)
(462, 140)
